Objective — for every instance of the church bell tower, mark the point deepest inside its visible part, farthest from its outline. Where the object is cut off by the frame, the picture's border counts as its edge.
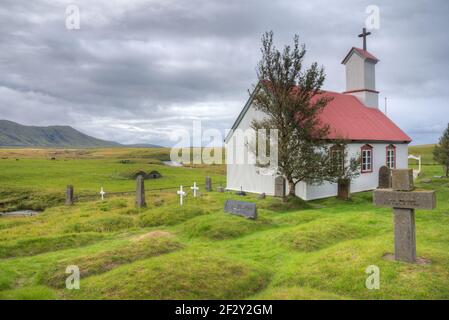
(361, 74)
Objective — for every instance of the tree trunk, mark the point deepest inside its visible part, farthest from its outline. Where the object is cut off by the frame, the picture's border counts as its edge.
(344, 186)
(291, 188)
(447, 171)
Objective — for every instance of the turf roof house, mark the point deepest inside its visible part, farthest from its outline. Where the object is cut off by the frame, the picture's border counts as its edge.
(353, 115)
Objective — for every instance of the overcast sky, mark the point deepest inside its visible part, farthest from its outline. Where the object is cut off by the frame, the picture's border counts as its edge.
(136, 71)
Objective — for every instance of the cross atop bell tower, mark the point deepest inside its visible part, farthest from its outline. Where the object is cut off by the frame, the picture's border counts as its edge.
(363, 35)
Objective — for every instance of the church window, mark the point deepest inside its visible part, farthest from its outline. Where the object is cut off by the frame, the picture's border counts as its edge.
(367, 158)
(391, 156)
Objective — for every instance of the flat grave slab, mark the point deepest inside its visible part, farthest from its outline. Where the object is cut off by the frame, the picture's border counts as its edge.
(20, 213)
(241, 208)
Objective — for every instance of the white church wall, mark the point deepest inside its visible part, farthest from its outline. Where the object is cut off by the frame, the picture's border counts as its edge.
(368, 98)
(355, 73)
(366, 181)
(370, 76)
(246, 176)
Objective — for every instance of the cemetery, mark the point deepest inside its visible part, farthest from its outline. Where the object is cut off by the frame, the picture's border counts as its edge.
(186, 236)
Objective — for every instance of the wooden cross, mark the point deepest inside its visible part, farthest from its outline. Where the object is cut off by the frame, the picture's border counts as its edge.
(194, 188)
(363, 35)
(102, 193)
(181, 195)
(404, 200)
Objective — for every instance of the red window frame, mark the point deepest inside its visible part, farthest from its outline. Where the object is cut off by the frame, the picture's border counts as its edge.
(387, 149)
(369, 148)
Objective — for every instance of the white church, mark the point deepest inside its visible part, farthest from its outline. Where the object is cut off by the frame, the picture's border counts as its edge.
(354, 115)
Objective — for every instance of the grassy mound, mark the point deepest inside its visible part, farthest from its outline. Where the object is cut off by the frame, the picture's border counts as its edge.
(111, 204)
(340, 269)
(6, 224)
(36, 245)
(103, 224)
(148, 245)
(27, 199)
(170, 216)
(222, 226)
(319, 234)
(29, 293)
(181, 275)
(134, 173)
(295, 218)
(295, 293)
(285, 205)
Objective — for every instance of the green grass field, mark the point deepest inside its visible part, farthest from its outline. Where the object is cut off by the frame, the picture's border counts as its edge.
(295, 250)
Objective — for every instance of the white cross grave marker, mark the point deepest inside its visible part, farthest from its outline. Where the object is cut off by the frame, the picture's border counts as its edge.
(102, 193)
(194, 188)
(181, 195)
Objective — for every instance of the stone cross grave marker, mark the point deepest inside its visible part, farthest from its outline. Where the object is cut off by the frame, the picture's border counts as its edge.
(140, 192)
(384, 178)
(102, 193)
(279, 186)
(194, 188)
(404, 200)
(208, 184)
(241, 208)
(181, 194)
(69, 196)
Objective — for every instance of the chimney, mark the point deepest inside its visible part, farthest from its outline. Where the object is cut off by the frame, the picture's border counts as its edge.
(361, 76)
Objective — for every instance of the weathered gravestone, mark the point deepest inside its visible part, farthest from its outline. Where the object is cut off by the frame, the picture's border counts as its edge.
(208, 184)
(402, 180)
(279, 186)
(241, 208)
(140, 192)
(404, 201)
(384, 178)
(69, 196)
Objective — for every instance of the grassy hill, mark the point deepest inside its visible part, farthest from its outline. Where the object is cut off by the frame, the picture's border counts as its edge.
(16, 135)
(425, 151)
(294, 250)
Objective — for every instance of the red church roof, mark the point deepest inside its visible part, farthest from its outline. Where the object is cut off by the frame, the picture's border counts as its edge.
(350, 119)
(363, 53)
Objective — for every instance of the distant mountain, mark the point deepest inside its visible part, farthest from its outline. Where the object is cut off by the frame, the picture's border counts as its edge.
(16, 135)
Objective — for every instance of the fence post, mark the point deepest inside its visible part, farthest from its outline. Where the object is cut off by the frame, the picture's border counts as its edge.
(208, 184)
(140, 192)
(69, 195)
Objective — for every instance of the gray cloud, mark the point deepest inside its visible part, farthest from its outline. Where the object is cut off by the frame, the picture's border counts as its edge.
(138, 70)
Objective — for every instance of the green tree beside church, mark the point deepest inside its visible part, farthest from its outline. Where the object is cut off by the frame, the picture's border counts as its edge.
(441, 151)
